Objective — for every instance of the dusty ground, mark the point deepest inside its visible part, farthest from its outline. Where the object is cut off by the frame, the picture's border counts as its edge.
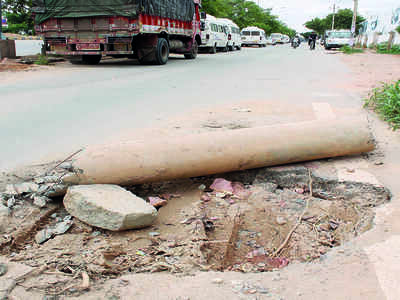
(363, 268)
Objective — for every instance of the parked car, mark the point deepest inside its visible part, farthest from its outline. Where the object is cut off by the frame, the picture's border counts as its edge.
(234, 37)
(338, 38)
(214, 36)
(253, 36)
(271, 41)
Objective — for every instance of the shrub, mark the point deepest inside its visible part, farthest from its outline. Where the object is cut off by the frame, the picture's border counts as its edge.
(383, 49)
(385, 100)
(350, 50)
(43, 60)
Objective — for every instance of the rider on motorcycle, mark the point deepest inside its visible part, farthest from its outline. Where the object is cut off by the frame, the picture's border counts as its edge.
(296, 40)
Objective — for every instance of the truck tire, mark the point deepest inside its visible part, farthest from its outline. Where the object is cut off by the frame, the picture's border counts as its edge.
(193, 52)
(162, 52)
(213, 50)
(91, 59)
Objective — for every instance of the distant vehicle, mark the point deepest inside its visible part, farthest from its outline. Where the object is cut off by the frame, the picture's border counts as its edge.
(253, 36)
(215, 35)
(271, 41)
(276, 38)
(338, 38)
(234, 37)
(285, 39)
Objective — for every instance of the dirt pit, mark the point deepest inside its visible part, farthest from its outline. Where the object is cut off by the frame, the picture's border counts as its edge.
(252, 221)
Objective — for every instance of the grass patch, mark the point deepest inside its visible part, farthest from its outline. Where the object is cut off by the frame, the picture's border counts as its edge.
(43, 60)
(385, 101)
(350, 50)
(383, 49)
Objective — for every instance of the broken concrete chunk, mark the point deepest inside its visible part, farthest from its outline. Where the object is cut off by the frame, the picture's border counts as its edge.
(222, 185)
(63, 227)
(109, 207)
(21, 188)
(47, 233)
(40, 201)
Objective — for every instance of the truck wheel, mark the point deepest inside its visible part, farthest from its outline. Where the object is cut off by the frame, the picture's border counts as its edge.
(213, 50)
(162, 51)
(91, 59)
(239, 48)
(193, 52)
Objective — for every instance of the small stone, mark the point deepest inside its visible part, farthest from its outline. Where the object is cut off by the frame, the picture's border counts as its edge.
(53, 216)
(281, 220)
(43, 236)
(262, 290)
(96, 233)
(218, 281)
(3, 269)
(11, 202)
(379, 163)
(62, 227)
(157, 202)
(154, 233)
(40, 201)
(202, 187)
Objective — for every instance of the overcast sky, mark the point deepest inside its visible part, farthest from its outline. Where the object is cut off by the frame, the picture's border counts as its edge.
(296, 12)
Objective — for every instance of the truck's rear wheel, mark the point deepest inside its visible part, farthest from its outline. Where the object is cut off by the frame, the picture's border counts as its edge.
(193, 52)
(91, 59)
(162, 51)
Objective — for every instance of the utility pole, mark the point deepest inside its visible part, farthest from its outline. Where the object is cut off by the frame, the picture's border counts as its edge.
(354, 23)
(333, 16)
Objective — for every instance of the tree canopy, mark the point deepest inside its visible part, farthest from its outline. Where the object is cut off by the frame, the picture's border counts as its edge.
(343, 20)
(246, 13)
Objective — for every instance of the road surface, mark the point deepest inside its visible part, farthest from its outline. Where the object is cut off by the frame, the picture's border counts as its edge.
(61, 109)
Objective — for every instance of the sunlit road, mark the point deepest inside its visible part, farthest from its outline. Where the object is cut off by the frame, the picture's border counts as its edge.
(71, 105)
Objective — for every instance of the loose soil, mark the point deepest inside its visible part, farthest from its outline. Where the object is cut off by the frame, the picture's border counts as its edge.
(276, 216)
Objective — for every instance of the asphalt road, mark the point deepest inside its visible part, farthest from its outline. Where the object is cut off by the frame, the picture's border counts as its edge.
(69, 106)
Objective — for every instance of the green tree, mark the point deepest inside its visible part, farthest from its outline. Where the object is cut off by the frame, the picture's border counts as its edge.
(18, 13)
(343, 20)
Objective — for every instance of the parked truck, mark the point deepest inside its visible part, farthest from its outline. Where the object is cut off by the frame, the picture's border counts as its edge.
(149, 30)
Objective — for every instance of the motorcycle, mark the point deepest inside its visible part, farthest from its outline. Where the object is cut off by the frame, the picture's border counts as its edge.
(295, 44)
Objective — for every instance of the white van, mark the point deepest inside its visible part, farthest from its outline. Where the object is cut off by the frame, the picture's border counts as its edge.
(276, 38)
(234, 41)
(285, 39)
(253, 36)
(214, 36)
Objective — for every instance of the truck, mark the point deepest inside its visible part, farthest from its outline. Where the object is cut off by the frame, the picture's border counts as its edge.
(147, 30)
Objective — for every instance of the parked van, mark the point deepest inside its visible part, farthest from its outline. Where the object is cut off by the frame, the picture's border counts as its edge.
(285, 39)
(214, 36)
(253, 36)
(276, 38)
(234, 38)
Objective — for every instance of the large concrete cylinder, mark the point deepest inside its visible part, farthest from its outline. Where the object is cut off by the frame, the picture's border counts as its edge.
(217, 152)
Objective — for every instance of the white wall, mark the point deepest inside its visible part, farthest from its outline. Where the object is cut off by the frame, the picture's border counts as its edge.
(28, 47)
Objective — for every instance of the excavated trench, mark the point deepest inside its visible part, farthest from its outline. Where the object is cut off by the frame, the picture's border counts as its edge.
(273, 217)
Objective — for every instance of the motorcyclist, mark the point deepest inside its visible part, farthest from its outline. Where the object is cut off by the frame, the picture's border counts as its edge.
(296, 39)
(312, 37)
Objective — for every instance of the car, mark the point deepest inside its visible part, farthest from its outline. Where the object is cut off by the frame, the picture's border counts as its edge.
(338, 39)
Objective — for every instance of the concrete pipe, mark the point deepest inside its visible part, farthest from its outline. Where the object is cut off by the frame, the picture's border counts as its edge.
(218, 152)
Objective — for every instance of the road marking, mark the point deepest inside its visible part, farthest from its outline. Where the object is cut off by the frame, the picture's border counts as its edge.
(323, 111)
(385, 257)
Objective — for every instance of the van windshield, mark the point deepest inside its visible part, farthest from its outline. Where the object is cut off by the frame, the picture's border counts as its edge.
(246, 32)
(275, 36)
(340, 35)
(255, 33)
